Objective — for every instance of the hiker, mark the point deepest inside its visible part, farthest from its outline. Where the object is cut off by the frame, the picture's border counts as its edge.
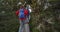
(22, 13)
(28, 7)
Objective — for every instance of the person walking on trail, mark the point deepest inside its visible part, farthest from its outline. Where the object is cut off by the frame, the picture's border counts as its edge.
(28, 7)
(22, 13)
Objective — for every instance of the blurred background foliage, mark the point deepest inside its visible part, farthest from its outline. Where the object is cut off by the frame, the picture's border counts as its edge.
(44, 18)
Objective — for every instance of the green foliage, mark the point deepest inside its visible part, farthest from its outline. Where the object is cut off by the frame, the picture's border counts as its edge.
(9, 21)
(54, 0)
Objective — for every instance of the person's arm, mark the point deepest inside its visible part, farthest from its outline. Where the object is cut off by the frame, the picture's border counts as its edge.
(17, 12)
